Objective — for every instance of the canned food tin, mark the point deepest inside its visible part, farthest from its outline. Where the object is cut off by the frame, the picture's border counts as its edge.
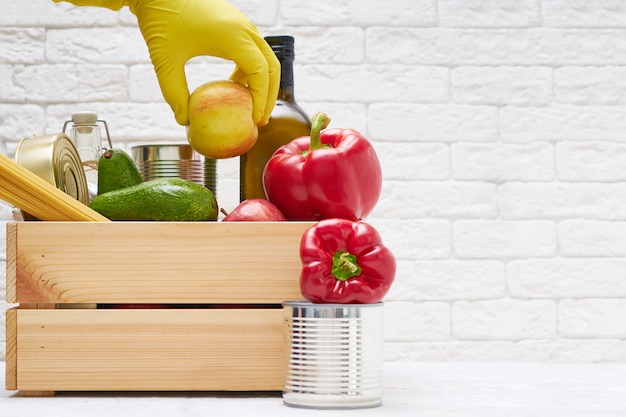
(335, 355)
(55, 159)
(175, 161)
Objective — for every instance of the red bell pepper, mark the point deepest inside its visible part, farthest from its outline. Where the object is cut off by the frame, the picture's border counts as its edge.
(334, 173)
(345, 262)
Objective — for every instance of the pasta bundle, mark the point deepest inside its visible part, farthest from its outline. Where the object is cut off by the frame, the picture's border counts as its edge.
(27, 191)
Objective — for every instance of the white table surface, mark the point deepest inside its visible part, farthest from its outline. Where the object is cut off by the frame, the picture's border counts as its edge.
(420, 389)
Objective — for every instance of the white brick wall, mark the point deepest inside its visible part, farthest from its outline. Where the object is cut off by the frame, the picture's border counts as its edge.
(500, 125)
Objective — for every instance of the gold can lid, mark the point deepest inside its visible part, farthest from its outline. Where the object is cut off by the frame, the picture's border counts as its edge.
(55, 159)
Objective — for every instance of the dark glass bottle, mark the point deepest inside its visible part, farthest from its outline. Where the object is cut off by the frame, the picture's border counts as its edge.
(288, 121)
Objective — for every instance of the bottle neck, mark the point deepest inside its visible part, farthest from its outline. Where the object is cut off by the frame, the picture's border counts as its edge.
(286, 89)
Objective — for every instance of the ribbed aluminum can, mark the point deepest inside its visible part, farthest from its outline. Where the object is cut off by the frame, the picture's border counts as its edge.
(176, 160)
(335, 355)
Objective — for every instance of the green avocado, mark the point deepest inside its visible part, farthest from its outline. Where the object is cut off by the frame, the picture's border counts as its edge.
(116, 169)
(166, 199)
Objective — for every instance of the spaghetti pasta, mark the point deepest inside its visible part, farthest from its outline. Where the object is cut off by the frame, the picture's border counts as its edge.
(29, 192)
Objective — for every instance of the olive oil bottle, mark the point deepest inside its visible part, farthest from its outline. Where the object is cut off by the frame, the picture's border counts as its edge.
(288, 121)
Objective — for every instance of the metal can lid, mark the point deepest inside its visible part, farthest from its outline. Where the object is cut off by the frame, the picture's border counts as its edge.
(55, 159)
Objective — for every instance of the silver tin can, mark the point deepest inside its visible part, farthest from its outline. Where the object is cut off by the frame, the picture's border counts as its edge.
(177, 160)
(55, 159)
(335, 355)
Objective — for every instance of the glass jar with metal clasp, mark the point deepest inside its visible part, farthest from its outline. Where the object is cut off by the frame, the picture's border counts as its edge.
(85, 133)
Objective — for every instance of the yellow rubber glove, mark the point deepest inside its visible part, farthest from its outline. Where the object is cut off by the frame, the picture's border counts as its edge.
(178, 30)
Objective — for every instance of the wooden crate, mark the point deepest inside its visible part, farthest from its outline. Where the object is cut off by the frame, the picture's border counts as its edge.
(216, 289)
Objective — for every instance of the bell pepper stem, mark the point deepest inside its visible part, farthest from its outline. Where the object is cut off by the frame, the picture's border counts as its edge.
(319, 121)
(345, 266)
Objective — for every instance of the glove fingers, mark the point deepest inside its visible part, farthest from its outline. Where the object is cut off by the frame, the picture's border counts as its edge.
(173, 83)
(274, 79)
(239, 76)
(176, 31)
(261, 74)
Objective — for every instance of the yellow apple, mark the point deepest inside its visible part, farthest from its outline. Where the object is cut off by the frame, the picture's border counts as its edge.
(220, 120)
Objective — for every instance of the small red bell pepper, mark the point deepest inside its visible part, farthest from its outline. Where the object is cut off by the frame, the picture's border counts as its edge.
(345, 262)
(334, 173)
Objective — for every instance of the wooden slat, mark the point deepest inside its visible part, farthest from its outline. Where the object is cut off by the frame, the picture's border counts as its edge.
(158, 262)
(127, 350)
(30, 393)
(11, 251)
(11, 349)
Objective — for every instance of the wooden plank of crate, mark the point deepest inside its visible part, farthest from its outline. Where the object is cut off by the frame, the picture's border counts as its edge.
(158, 262)
(11, 249)
(136, 350)
(27, 393)
(11, 349)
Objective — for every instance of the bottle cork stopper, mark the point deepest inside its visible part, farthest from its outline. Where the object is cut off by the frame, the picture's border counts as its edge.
(85, 118)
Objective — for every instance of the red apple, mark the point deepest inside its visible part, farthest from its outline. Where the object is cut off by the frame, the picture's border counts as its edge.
(254, 210)
(220, 120)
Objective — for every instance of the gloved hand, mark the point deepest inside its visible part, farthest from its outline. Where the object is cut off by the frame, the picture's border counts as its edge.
(178, 30)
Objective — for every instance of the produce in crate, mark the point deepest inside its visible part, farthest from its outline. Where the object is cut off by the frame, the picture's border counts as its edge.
(345, 262)
(254, 209)
(116, 169)
(220, 120)
(165, 199)
(334, 173)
